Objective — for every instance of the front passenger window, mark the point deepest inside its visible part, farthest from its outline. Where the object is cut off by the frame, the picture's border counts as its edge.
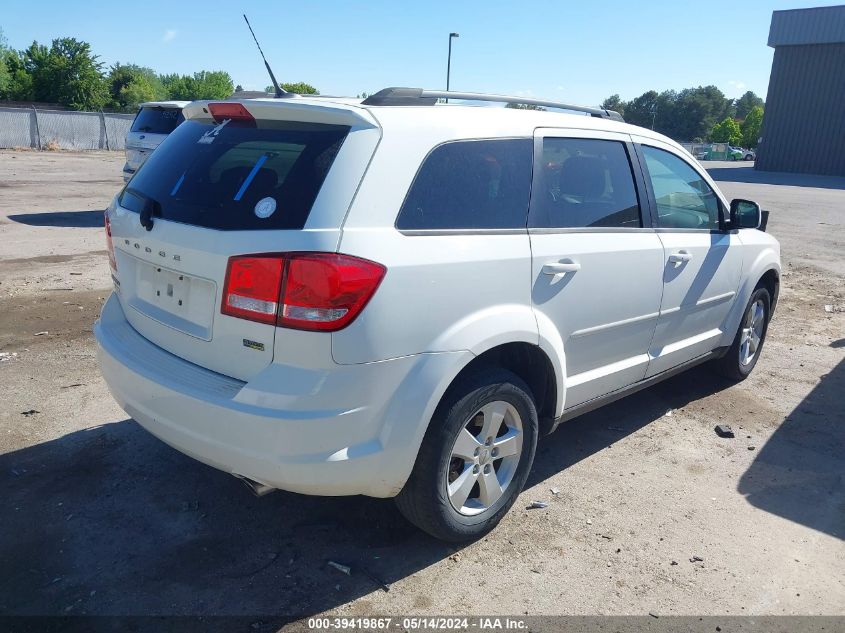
(684, 199)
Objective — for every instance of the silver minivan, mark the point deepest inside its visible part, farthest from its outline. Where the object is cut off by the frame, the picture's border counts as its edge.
(154, 121)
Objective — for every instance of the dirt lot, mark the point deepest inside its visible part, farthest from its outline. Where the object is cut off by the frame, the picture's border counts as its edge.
(98, 517)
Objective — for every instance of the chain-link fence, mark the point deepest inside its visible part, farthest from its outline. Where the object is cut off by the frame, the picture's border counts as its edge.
(57, 129)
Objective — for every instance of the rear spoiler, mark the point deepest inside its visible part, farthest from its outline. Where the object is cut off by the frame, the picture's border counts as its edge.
(292, 109)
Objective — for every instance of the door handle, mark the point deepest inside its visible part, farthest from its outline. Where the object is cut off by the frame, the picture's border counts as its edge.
(558, 269)
(680, 257)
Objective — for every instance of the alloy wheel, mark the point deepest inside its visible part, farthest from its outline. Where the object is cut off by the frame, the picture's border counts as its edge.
(484, 458)
(752, 332)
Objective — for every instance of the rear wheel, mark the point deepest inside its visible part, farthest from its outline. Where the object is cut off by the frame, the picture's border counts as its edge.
(741, 358)
(474, 459)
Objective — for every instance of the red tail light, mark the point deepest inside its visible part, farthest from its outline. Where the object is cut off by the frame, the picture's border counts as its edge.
(306, 291)
(233, 111)
(109, 245)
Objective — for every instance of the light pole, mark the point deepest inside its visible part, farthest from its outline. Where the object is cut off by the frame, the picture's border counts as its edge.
(449, 61)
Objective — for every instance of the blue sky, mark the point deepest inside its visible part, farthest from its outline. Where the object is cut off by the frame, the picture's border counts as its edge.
(577, 51)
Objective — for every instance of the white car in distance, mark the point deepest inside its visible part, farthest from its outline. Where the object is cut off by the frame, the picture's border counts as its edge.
(153, 122)
(398, 297)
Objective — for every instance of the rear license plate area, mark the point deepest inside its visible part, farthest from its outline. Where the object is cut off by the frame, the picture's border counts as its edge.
(183, 302)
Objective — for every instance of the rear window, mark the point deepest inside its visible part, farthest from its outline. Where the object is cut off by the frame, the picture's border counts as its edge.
(235, 175)
(153, 120)
(482, 184)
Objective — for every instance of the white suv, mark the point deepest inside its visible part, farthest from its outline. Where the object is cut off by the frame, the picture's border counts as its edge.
(396, 297)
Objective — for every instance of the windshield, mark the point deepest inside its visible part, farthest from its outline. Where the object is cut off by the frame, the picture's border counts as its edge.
(236, 175)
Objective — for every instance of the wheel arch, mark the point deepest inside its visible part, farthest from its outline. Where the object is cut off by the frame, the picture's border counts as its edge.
(763, 272)
(531, 364)
(770, 280)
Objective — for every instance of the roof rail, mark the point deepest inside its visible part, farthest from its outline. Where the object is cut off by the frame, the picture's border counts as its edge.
(421, 97)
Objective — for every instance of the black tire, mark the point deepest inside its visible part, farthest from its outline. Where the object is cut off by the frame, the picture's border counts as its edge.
(424, 500)
(730, 365)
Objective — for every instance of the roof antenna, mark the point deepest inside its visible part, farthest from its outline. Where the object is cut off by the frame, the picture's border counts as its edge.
(279, 91)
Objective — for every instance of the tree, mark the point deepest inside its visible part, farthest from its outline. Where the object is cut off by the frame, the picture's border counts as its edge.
(751, 127)
(746, 103)
(688, 114)
(212, 84)
(300, 88)
(206, 84)
(613, 102)
(696, 111)
(239, 88)
(19, 86)
(5, 75)
(130, 85)
(726, 132)
(175, 86)
(641, 110)
(66, 73)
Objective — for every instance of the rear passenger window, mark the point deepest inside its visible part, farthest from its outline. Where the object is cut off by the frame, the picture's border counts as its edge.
(471, 185)
(684, 200)
(585, 183)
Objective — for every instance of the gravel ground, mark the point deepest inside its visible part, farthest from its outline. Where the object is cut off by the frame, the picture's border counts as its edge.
(98, 517)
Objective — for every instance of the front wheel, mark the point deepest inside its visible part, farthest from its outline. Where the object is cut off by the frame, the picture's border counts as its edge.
(474, 459)
(742, 356)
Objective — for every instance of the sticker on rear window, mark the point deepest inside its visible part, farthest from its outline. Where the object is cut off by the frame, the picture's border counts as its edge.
(265, 207)
(209, 136)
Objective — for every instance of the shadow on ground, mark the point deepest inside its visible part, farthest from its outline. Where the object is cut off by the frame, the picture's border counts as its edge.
(800, 472)
(111, 521)
(65, 219)
(750, 175)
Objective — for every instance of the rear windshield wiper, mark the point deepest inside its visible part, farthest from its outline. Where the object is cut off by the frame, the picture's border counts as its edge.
(150, 207)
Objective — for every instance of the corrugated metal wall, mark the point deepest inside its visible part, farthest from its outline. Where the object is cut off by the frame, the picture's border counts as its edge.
(804, 125)
(819, 25)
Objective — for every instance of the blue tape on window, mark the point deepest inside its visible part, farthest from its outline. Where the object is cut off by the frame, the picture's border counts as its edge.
(177, 185)
(249, 178)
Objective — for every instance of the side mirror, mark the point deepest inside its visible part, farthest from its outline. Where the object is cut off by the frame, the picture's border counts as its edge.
(745, 214)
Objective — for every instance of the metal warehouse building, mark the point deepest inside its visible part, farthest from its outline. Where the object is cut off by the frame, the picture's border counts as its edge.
(804, 124)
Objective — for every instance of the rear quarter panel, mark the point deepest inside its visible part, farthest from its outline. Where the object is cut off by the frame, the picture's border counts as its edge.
(442, 292)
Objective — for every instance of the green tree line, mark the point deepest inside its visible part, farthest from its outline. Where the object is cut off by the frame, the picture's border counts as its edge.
(300, 88)
(695, 114)
(68, 73)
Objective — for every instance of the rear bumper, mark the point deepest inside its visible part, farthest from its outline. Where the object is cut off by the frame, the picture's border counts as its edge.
(346, 430)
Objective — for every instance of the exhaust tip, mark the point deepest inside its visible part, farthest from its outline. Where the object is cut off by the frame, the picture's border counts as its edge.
(258, 489)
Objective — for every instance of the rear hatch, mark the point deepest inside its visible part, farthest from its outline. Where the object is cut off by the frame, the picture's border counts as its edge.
(151, 126)
(279, 180)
